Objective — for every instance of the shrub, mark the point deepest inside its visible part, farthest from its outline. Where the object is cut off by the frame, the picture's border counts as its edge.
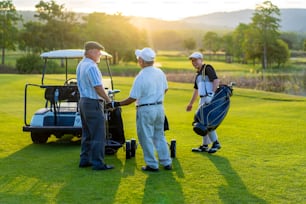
(33, 64)
(7, 69)
(29, 64)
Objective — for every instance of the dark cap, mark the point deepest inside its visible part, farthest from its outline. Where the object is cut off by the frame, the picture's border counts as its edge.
(93, 45)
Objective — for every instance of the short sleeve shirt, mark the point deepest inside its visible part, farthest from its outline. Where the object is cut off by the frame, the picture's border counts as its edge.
(149, 86)
(210, 74)
(88, 77)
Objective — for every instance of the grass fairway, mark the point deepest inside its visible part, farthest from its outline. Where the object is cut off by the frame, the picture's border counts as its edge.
(262, 159)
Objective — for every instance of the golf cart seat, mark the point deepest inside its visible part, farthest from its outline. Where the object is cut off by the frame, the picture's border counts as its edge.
(62, 102)
(62, 93)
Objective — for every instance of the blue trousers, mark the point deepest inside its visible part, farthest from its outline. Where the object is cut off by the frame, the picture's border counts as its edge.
(93, 132)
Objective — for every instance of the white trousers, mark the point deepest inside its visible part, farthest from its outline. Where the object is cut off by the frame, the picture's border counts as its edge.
(150, 131)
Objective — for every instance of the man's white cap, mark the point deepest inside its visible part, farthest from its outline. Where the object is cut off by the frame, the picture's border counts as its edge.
(147, 54)
(196, 55)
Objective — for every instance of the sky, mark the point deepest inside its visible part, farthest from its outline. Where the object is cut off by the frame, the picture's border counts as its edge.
(161, 9)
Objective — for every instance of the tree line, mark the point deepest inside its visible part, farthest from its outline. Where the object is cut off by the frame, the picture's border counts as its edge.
(56, 28)
(260, 41)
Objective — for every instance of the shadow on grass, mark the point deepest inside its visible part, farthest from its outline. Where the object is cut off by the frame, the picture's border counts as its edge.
(162, 187)
(129, 167)
(49, 173)
(89, 186)
(235, 191)
(271, 98)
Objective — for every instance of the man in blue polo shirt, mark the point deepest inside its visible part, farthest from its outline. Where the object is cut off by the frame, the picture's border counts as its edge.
(92, 95)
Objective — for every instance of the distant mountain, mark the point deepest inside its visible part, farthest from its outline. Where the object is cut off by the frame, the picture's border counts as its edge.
(221, 20)
(291, 20)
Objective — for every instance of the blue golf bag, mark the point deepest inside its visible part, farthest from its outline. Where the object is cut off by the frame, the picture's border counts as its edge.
(209, 116)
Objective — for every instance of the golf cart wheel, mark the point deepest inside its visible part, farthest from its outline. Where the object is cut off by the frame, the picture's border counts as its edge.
(173, 148)
(39, 138)
(133, 147)
(128, 149)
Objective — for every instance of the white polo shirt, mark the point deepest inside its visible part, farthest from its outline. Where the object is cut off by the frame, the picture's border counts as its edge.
(149, 86)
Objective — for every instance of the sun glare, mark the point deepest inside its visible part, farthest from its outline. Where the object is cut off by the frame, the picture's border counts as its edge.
(161, 9)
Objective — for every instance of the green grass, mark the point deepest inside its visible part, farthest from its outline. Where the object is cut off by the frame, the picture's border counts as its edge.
(262, 159)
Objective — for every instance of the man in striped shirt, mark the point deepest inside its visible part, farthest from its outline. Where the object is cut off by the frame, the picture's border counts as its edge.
(92, 95)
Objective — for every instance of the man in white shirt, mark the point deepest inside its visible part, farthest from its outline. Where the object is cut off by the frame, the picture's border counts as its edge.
(148, 90)
(205, 86)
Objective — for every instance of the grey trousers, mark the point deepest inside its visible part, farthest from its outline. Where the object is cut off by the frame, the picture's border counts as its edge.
(93, 132)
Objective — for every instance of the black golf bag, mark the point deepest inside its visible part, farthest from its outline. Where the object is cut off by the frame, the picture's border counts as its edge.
(209, 116)
(116, 126)
(115, 133)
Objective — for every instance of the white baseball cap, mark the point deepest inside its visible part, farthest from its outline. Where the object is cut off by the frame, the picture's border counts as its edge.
(196, 55)
(147, 54)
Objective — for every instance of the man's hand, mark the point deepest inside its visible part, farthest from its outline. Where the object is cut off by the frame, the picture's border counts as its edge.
(189, 108)
(112, 104)
(209, 97)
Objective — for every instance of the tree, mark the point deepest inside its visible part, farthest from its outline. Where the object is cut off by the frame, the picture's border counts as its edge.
(9, 19)
(29, 42)
(266, 21)
(292, 39)
(57, 28)
(49, 11)
(211, 41)
(189, 44)
(252, 44)
(114, 32)
(227, 46)
(239, 40)
(279, 52)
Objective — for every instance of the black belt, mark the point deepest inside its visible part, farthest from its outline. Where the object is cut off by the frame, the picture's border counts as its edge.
(100, 100)
(150, 104)
(201, 96)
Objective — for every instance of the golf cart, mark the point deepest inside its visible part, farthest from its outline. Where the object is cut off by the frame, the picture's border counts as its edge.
(60, 116)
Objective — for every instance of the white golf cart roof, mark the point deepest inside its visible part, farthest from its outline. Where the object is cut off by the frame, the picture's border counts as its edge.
(69, 54)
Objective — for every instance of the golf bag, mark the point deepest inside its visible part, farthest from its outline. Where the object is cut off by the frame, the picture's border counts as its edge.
(115, 132)
(116, 126)
(209, 116)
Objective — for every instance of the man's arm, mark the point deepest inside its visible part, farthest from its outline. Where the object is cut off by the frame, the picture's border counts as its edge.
(193, 98)
(100, 91)
(127, 101)
(215, 84)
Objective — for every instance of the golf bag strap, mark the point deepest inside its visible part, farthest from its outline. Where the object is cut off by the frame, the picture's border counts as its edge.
(203, 71)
